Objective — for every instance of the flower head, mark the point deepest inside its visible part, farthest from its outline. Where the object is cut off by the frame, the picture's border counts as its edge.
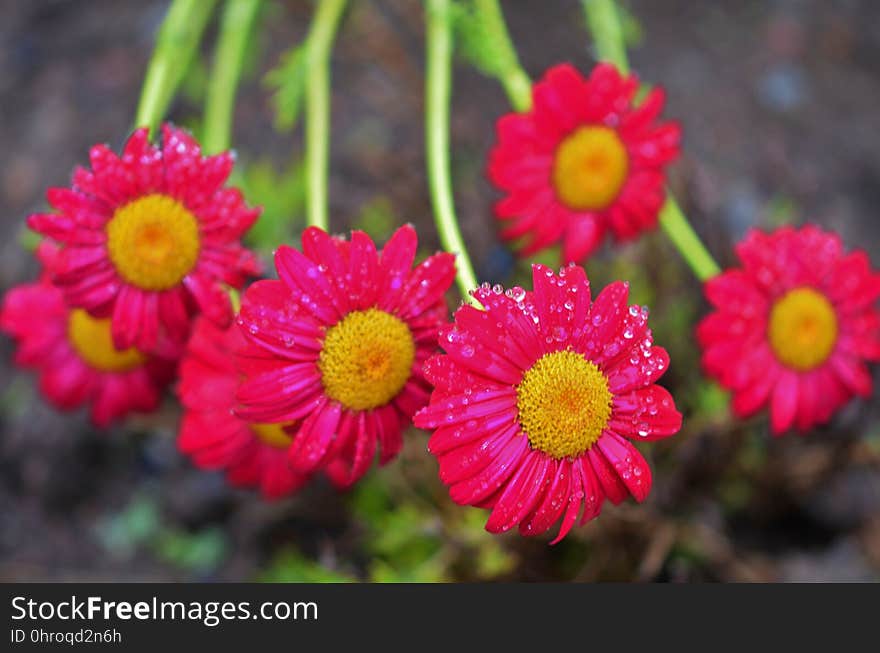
(582, 161)
(336, 347)
(74, 354)
(252, 454)
(149, 239)
(538, 397)
(793, 327)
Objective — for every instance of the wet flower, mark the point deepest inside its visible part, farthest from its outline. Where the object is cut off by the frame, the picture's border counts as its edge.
(337, 346)
(538, 398)
(150, 238)
(252, 454)
(793, 327)
(582, 161)
(74, 355)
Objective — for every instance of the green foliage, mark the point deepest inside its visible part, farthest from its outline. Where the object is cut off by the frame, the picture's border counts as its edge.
(405, 540)
(377, 218)
(201, 551)
(281, 194)
(29, 240)
(712, 402)
(430, 570)
(401, 539)
(139, 525)
(409, 541)
(485, 553)
(287, 82)
(135, 525)
(477, 40)
(290, 566)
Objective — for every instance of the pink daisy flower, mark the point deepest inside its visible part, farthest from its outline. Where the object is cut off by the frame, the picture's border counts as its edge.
(336, 347)
(793, 327)
(585, 160)
(538, 399)
(74, 355)
(150, 238)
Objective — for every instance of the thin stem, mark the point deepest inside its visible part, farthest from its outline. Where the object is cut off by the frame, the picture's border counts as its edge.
(321, 34)
(176, 43)
(686, 240)
(515, 80)
(235, 29)
(438, 82)
(604, 22)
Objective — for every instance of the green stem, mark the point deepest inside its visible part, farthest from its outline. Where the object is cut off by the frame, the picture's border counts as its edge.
(235, 29)
(604, 22)
(320, 40)
(515, 80)
(686, 240)
(438, 82)
(176, 43)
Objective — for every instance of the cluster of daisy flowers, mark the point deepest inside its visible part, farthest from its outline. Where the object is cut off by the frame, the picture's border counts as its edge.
(534, 398)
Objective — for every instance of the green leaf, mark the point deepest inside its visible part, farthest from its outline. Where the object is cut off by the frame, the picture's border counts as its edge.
(287, 81)
(281, 194)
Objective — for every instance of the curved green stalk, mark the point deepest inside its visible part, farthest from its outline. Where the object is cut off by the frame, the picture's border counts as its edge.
(438, 82)
(512, 76)
(235, 29)
(176, 43)
(605, 27)
(321, 34)
(603, 20)
(686, 240)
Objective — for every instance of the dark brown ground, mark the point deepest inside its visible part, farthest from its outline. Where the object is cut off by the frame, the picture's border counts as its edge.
(779, 104)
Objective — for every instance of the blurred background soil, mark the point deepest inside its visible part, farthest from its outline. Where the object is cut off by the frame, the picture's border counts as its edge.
(778, 100)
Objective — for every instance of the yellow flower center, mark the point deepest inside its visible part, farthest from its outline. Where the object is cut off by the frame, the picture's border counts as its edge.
(803, 329)
(153, 242)
(91, 339)
(272, 434)
(589, 169)
(564, 404)
(366, 359)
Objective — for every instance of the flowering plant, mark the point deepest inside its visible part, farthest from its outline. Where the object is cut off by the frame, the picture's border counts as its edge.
(302, 359)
